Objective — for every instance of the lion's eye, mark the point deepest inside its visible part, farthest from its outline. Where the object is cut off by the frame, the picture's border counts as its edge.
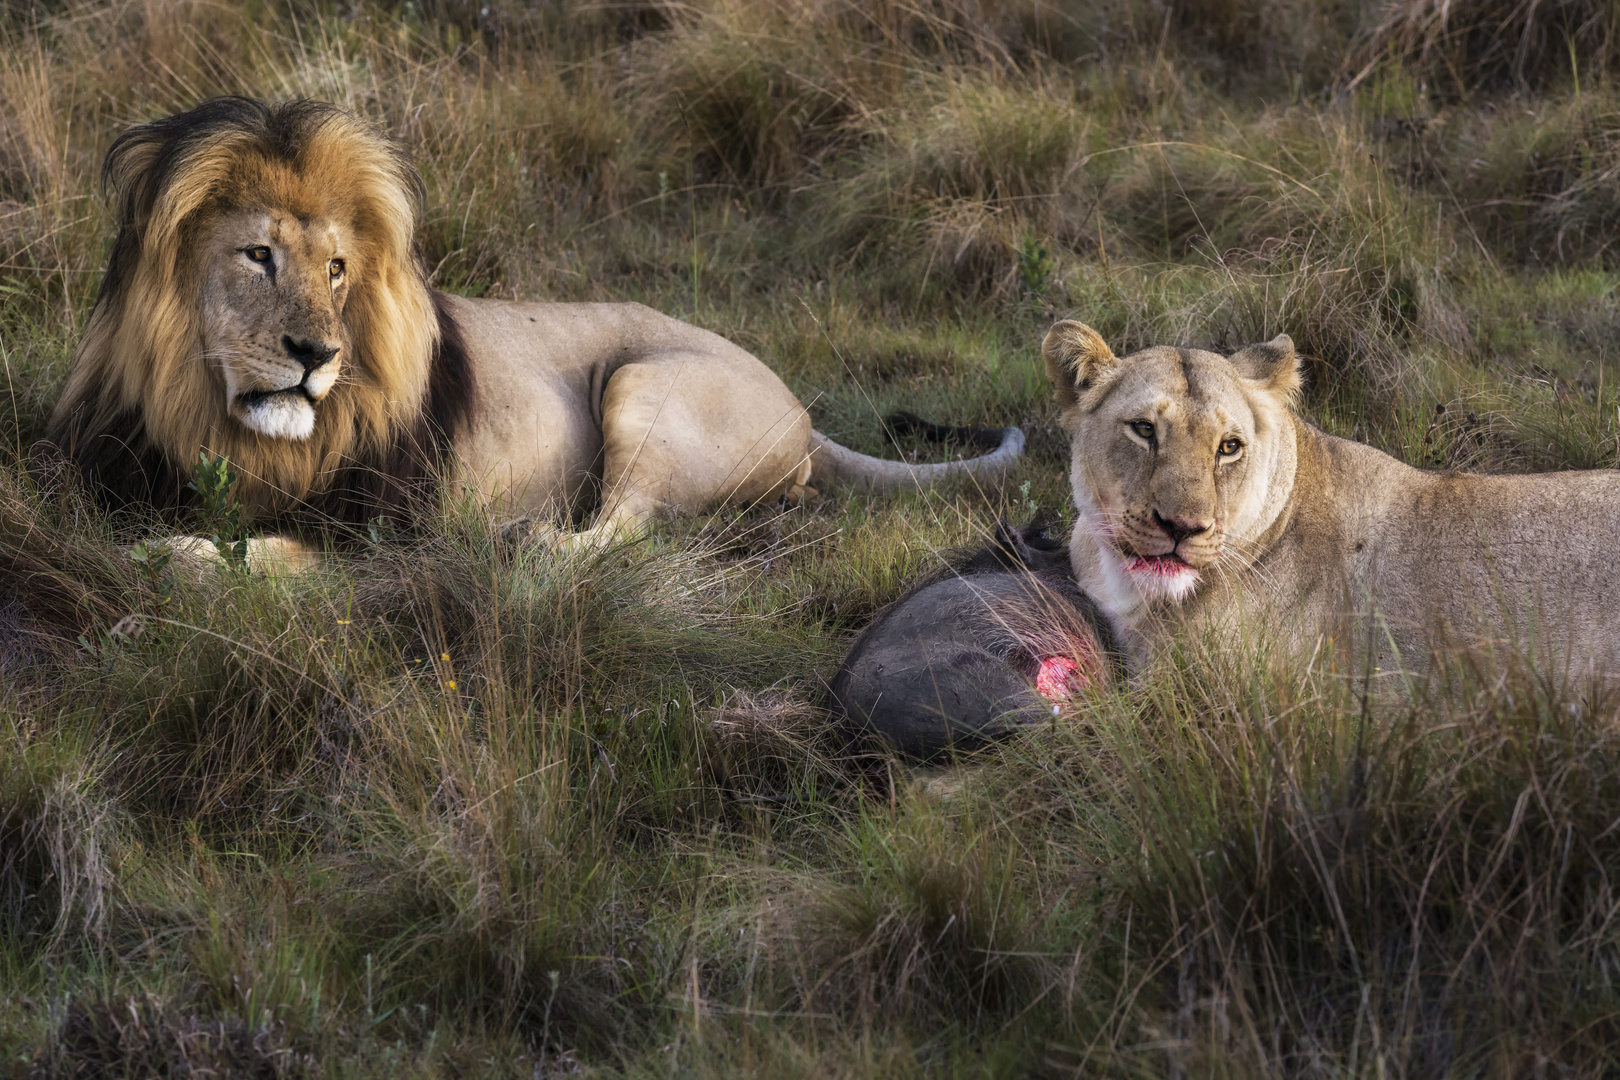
(335, 268)
(1230, 447)
(260, 254)
(1143, 429)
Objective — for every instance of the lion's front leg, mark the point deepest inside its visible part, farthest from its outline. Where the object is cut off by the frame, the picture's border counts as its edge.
(273, 555)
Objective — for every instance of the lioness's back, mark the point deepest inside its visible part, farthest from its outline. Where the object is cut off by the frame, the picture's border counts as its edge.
(1521, 560)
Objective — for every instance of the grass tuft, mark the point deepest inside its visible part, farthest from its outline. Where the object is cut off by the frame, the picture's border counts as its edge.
(1381, 881)
(1491, 44)
(61, 839)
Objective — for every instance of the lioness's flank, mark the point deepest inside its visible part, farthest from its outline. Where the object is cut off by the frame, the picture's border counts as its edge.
(1201, 495)
(264, 301)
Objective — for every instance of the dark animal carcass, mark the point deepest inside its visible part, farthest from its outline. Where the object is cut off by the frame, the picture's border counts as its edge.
(994, 645)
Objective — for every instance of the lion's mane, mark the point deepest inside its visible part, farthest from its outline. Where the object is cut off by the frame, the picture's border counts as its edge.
(140, 400)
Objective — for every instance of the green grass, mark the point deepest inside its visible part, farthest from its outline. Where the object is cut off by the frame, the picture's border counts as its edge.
(451, 808)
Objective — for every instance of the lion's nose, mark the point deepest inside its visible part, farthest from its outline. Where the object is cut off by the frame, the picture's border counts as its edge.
(1178, 529)
(312, 354)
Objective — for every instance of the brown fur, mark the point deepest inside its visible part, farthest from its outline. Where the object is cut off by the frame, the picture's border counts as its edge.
(141, 399)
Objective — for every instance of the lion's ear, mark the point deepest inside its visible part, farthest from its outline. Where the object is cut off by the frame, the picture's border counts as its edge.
(1077, 358)
(1273, 364)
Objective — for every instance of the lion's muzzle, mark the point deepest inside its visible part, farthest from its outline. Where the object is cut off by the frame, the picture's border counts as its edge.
(313, 355)
(288, 411)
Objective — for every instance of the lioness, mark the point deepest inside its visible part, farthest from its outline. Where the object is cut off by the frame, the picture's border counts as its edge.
(1202, 496)
(264, 301)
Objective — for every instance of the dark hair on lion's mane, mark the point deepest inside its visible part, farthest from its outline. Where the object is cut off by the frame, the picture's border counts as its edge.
(130, 470)
(392, 423)
(417, 457)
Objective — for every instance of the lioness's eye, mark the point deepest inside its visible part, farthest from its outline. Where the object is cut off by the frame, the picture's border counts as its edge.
(335, 268)
(260, 254)
(1143, 429)
(1230, 447)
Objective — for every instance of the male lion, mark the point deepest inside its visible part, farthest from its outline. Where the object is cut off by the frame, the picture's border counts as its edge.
(264, 301)
(1202, 496)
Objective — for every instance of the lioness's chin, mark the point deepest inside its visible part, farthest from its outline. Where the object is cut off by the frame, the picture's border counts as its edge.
(281, 416)
(1160, 578)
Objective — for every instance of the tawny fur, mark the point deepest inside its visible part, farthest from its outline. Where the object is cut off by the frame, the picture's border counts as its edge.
(264, 302)
(1234, 516)
(144, 350)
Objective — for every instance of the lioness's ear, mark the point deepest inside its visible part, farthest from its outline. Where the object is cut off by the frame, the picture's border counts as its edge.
(1273, 364)
(1076, 359)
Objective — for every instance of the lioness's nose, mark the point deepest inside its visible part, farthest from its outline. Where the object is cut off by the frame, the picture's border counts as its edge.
(1178, 529)
(312, 354)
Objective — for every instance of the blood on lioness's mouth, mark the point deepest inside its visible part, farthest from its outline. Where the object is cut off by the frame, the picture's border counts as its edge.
(1159, 565)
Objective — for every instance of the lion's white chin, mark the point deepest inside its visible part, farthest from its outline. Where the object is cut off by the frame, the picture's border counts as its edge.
(284, 416)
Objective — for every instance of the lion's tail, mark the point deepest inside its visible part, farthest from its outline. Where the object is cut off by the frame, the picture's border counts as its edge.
(834, 464)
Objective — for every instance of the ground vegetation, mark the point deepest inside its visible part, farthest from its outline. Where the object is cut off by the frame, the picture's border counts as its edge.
(459, 806)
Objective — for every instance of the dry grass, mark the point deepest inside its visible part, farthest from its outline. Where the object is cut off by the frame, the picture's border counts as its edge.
(1492, 44)
(1425, 887)
(454, 808)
